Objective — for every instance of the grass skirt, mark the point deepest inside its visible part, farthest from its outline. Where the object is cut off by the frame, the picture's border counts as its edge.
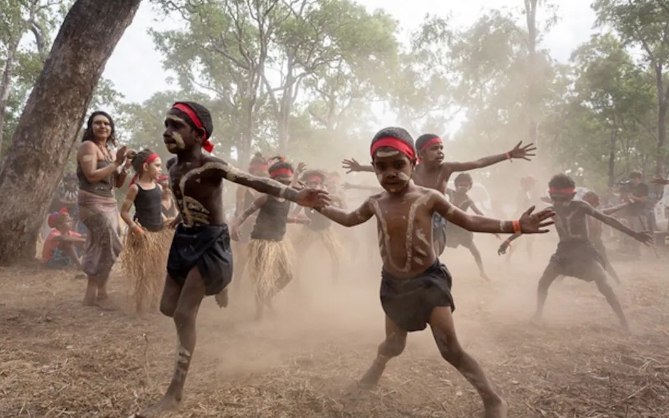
(144, 265)
(271, 266)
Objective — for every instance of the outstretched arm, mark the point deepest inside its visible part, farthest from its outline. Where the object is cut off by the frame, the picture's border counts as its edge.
(353, 166)
(360, 215)
(612, 210)
(642, 236)
(517, 152)
(528, 223)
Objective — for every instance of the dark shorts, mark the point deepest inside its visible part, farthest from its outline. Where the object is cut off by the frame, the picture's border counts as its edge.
(577, 259)
(457, 236)
(410, 302)
(204, 247)
(439, 233)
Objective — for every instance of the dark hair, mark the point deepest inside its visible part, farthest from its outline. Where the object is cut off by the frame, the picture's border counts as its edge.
(280, 165)
(636, 175)
(314, 172)
(139, 159)
(424, 139)
(463, 177)
(88, 133)
(257, 159)
(202, 113)
(590, 196)
(399, 133)
(561, 181)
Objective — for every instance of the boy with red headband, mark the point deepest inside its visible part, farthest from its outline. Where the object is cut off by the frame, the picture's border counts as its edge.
(200, 260)
(432, 172)
(415, 286)
(576, 256)
(271, 258)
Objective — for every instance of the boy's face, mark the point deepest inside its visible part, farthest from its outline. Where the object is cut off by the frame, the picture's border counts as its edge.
(64, 223)
(562, 200)
(178, 135)
(463, 187)
(635, 180)
(592, 200)
(284, 179)
(433, 154)
(315, 182)
(393, 169)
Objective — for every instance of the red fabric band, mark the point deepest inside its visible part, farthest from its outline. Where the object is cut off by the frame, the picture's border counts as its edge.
(207, 145)
(149, 160)
(280, 172)
(395, 143)
(561, 191)
(428, 144)
(516, 227)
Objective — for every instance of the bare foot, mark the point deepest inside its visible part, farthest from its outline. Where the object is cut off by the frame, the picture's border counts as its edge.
(222, 298)
(105, 304)
(371, 378)
(536, 321)
(497, 408)
(168, 403)
(89, 300)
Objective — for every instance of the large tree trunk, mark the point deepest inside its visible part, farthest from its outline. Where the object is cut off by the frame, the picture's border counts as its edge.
(52, 118)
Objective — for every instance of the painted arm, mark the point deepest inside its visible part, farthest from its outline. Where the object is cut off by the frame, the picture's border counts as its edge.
(614, 209)
(354, 166)
(528, 223)
(518, 151)
(125, 209)
(239, 200)
(239, 221)
(477, 211)
(641, 236)
(357, 217)
(87, 157)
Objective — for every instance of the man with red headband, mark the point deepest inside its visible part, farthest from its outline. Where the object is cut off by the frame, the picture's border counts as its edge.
(433, 172)
(576, 256)
(271, 258)
(200, 260)
(415, 285)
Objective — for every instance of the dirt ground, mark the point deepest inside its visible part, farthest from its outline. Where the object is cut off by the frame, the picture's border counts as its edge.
(61, 359)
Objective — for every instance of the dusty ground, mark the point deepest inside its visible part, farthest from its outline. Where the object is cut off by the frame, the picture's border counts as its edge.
(61, 359)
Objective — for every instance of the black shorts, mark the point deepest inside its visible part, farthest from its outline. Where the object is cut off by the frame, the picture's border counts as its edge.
(577, 259)
(204, 247)
(410, 302)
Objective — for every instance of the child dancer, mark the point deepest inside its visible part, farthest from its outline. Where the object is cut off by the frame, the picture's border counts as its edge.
(200, 260)
(62, 246)
(319, 228)
(576, 256)
(415, 286)
(168, 207)
(147, 241)
(270, 257)
(455, 235)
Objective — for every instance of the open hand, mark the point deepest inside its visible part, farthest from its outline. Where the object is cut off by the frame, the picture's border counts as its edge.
(660, 180)
(300, 168)
(120, 154)
(536, 223)
(644, 237)
(502, 248)
(351, 165)
(234, 233)
(523, 152)
(313, 198)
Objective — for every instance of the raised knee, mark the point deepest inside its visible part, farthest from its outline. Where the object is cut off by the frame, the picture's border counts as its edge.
(393, 347)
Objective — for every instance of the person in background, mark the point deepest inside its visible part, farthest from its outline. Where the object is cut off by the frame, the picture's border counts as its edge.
(62, 246)
(636, 212)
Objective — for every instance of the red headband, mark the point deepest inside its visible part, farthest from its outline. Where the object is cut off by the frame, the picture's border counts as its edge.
(149, 160)
(395, 143)
(281, 171)
(258, 166)
(207, 145)
(561, 191)
(428, 144)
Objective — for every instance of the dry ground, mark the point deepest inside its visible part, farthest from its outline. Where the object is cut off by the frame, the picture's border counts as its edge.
(61, 359)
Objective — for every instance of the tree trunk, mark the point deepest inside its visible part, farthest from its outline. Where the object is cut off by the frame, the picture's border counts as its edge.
(52, 118)
(532, 102)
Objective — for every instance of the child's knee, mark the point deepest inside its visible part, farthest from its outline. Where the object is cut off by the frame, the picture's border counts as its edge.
(167, 308)
(451, 351)
(392, 347)
(183, 315)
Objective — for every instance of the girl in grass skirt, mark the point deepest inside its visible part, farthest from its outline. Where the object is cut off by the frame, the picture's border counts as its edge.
(148, 240)
(270, 256)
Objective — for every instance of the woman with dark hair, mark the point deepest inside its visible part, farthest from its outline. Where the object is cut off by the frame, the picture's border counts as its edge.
(99, 172)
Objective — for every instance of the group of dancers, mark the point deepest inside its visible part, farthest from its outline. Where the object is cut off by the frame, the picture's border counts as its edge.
(415, 218)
